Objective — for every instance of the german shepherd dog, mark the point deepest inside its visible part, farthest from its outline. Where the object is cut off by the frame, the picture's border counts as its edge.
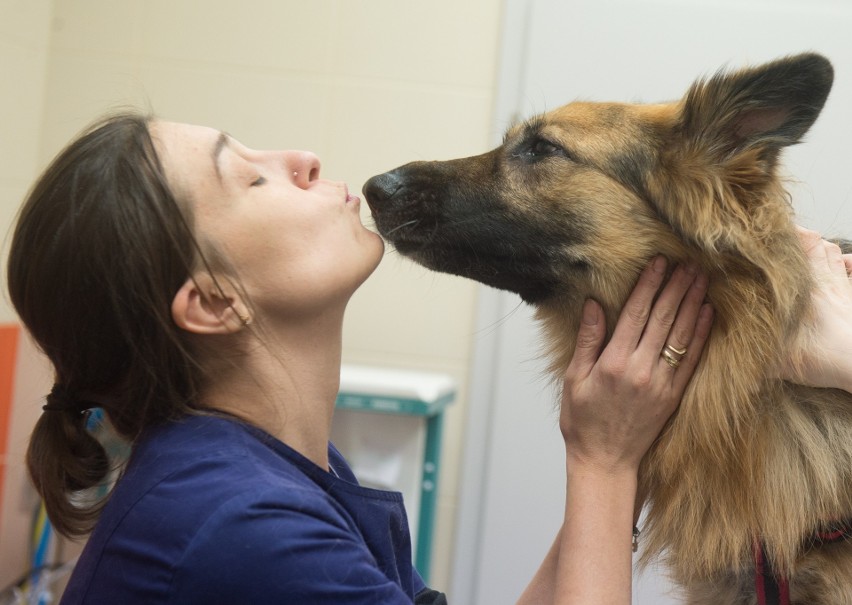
(753, 474)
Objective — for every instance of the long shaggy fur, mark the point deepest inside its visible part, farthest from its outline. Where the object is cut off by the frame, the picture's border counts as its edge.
(574, 204)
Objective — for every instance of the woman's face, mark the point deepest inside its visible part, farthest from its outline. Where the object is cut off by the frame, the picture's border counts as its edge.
(295, 240)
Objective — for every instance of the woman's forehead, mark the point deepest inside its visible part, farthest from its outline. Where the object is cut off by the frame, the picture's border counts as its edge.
(179, 136)
(181, 143)
(188, 154)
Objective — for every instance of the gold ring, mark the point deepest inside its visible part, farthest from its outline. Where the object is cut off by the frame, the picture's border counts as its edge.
(669, 358)
(678, 352)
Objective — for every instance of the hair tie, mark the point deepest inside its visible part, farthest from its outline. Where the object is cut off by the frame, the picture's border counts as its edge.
(60, 399)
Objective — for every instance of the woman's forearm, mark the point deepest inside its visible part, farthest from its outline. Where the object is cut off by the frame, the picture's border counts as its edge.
(590, 560)
(595, 562)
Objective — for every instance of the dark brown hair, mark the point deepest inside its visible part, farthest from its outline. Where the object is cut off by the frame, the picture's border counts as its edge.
(100, 248)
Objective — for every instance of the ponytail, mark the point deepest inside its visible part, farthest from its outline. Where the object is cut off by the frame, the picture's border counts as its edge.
(100, 248)
(65, 459)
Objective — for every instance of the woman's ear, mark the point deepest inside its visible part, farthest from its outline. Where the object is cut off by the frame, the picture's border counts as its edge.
(203, 306)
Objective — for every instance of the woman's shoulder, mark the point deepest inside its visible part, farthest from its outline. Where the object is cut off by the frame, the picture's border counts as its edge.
(193, 488)
(206, 457)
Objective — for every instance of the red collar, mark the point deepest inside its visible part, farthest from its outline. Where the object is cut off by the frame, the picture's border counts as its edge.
(774, 589)
(770, 588)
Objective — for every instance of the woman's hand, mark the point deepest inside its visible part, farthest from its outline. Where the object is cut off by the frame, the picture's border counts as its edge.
(616, 402)
(821, 355)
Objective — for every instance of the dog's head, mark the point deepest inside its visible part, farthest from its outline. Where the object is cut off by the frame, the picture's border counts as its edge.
(576, 201)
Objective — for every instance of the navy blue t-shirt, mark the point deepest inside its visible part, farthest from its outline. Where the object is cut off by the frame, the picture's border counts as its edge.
(211, 510)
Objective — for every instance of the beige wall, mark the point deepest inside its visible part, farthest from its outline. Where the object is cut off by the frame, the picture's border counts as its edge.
(24, 51)
(367, 84)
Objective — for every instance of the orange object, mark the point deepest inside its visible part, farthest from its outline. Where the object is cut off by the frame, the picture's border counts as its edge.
(8, 355)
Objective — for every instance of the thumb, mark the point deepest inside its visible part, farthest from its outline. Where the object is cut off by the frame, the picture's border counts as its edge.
(589, 338)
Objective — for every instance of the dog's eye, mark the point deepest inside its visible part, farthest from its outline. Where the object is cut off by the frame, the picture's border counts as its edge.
(539, 149)
(536, 149)
(544, 147)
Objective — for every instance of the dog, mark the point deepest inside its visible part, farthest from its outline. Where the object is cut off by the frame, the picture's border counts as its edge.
(752, 475)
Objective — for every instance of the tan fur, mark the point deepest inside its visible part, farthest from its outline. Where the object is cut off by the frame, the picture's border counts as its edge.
(747, 455)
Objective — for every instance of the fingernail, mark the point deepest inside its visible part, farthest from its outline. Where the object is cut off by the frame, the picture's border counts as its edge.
(590, 313)
(659, 265)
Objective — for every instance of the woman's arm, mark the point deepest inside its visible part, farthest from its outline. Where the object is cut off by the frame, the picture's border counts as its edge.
(821, 355)
(615, 403)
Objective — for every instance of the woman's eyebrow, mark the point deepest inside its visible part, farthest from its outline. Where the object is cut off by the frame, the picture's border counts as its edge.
(221, 142)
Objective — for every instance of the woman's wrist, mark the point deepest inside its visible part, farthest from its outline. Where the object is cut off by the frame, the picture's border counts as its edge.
(602, 467)
(603, 474)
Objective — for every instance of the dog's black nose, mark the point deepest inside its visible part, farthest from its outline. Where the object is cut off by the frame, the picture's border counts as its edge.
(382, 187)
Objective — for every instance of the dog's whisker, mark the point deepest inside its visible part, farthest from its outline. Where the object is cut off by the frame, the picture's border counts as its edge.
(497, 323)
(403, 225)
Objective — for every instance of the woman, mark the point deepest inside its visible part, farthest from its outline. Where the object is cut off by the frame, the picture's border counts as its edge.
(207, 284)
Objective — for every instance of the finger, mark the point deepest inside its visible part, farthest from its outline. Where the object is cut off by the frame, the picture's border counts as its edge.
(693, 353)
(847, 260)
(634, 314)
(665, 310)
(814, 247)
(590, 339)
(681, 334)
(807, 237)
(834, 257)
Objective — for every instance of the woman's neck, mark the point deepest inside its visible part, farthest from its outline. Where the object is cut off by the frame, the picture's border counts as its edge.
(285, 383)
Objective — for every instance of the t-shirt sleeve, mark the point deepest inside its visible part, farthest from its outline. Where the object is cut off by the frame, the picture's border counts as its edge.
(256, 550)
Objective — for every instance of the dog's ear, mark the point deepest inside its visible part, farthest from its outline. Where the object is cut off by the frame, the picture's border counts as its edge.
(717, 184)
(756, 110)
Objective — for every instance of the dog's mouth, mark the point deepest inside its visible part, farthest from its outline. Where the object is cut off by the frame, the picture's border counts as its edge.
(464, 235)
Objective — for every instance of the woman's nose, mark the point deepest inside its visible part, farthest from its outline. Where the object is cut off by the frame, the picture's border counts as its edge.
(304, 165)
